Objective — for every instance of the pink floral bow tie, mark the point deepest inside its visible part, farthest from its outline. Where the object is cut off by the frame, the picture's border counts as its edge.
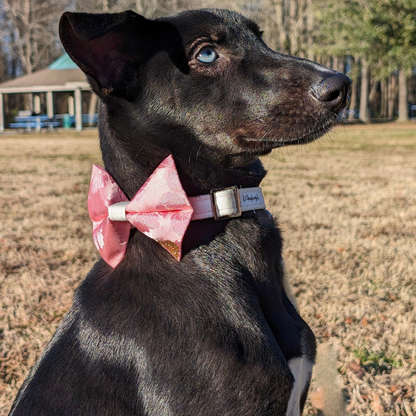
(160, 209)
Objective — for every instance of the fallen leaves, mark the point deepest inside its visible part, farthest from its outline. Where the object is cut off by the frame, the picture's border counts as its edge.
(356, 369)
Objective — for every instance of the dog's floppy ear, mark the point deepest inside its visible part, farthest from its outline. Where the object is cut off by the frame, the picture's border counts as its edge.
(107, 48)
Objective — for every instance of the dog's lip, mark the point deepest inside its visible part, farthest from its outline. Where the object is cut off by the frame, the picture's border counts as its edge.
(266, 145)
(309, 137)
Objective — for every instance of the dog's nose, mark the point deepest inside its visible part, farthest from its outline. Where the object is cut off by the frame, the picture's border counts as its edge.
(333, 92)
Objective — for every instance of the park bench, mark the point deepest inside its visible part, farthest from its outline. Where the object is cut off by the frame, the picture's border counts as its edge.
(38, 122)
(34, 122)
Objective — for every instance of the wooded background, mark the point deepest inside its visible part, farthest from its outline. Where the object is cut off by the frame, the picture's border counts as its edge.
(372, 41)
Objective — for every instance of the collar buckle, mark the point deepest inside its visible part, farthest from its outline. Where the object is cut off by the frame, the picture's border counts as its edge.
(225, 203)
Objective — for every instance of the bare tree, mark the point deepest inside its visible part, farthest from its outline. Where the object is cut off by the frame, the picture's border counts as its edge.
(29, 28)
(289, 26)
(147, 8)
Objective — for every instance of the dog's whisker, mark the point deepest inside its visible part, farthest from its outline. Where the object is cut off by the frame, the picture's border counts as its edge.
(139, 151)
(197, 154)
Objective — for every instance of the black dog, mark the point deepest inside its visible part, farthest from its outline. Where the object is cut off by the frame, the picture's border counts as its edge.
(213, 334)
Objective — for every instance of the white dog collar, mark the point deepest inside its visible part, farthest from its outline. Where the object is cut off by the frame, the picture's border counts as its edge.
(226, 203)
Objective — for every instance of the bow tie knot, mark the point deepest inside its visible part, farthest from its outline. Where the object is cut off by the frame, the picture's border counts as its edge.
(117, 211)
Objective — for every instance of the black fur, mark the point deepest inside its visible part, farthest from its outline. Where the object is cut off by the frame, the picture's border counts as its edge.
(212, 334)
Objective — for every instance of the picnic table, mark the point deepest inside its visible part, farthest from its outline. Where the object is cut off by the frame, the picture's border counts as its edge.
(37, 122)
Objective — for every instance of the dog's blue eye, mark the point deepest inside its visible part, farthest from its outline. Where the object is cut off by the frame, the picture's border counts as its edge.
(207, 55)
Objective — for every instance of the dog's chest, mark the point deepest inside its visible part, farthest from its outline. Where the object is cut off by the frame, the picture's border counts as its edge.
(292, 335)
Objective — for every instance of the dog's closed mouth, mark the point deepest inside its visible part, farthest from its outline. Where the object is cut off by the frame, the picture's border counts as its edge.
(311, 136)
(267, 144)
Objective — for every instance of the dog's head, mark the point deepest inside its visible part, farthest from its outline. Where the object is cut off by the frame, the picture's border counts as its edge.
(201, 85)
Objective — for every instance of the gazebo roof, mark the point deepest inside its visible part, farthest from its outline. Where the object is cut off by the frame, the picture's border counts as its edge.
(63, 62)
(61, 75)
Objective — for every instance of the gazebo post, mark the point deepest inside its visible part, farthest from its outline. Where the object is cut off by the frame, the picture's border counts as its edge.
(78, 109)
(49, 104)
(1, 113)
(71, 107)
(36, 103)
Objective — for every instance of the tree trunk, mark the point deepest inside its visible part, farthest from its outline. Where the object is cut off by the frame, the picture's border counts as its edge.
(403, 102)
(392, 95)
(271, 41)
(335, 63)
(309, 29)
(373, 90)
(412, 90)
(293, 31)
(301, 29)
(353, 101)
(372, 103)
(338, 64)
(384, 98)
(364, 116)
(279, 10)
(353, 97)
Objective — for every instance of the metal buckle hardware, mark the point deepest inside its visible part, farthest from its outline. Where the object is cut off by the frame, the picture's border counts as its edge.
(218, 217)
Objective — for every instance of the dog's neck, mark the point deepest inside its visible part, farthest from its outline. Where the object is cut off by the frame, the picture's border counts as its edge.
(130, 162)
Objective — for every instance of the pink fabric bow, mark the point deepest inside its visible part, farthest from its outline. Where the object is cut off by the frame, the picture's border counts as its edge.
(160, 209)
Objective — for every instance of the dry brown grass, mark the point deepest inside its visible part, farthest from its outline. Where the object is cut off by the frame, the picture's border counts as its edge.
(347, 208)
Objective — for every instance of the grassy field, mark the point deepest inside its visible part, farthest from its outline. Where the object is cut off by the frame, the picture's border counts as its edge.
(347, 209)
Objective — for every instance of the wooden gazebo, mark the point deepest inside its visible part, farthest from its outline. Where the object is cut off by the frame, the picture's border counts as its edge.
(61, 75)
